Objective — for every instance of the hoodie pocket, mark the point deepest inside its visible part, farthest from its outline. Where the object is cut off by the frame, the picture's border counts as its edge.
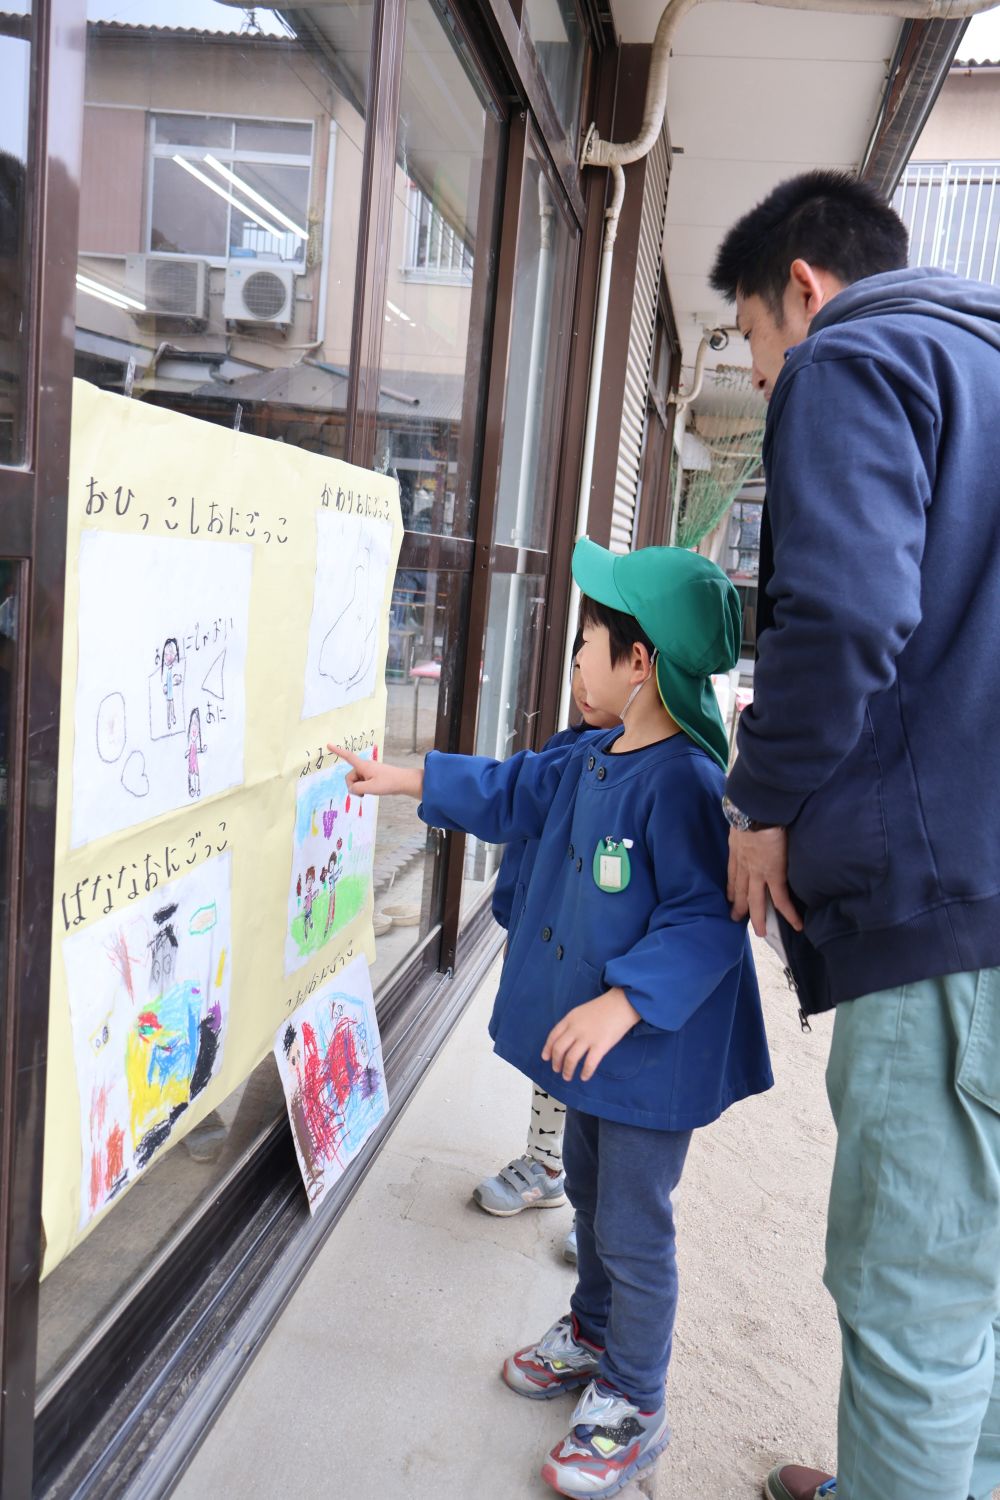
(838, 846)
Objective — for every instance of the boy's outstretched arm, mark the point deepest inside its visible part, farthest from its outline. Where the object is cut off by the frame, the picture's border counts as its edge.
(375, 778)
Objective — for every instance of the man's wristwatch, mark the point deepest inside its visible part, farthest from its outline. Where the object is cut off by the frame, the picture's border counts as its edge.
(740, 821)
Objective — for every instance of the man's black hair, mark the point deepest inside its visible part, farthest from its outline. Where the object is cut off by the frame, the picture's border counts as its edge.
(829, 219)
(623, 630)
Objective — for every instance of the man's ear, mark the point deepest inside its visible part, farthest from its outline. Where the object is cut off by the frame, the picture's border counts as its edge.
(811, 287)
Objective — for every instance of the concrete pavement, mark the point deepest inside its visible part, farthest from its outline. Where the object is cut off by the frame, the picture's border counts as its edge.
(381, 1378)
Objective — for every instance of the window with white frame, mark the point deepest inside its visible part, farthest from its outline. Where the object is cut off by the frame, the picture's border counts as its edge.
(435, 249)
(229, 189)
(952, 210)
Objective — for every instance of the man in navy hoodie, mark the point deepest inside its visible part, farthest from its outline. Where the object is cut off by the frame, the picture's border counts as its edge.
(866, 798)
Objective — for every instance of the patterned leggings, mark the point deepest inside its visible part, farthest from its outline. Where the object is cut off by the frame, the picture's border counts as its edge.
(545, 1134)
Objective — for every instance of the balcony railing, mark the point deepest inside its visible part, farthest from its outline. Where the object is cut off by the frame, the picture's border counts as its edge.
(952, 210)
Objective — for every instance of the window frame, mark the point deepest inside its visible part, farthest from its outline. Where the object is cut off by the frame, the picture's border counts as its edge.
(231, 157)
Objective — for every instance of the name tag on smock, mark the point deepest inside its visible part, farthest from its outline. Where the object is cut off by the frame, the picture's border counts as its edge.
(612, 867)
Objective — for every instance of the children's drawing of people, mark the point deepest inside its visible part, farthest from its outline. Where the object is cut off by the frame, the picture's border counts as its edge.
(329, 878)
(308, 897)
(170, 678)
(195, 747)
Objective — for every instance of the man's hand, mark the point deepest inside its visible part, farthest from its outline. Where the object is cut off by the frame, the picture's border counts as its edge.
(758, 866)
(588, 1033)
(374, 777)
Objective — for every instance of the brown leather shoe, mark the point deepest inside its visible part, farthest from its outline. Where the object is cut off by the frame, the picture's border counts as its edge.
(793, 1482)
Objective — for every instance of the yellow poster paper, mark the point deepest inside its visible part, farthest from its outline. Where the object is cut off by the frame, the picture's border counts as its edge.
(227, 614)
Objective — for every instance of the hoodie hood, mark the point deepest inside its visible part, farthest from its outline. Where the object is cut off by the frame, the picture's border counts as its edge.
(972, 305)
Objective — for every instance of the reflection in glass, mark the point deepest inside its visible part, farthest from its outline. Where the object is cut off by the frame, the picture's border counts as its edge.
(546, 249)
(201, 298)
(560, 44)
(536, 381)
(514, 633)
(435, 311)
(218, 249)
(15, 77)
(425, 625)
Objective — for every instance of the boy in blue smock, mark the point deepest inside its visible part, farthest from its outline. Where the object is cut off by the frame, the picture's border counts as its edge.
(628, 991)
(536, 1179)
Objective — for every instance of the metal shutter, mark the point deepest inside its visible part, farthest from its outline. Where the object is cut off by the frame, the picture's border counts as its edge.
(640, 347)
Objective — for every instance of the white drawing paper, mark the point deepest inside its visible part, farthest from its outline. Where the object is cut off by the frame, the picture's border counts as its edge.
(333, 855)
(329, 1056)
(352, 562)
(160, 695)
(149, 992)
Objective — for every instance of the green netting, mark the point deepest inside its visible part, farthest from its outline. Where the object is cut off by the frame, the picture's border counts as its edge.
(732, 437)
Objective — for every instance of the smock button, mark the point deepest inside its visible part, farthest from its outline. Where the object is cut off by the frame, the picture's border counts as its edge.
(602, 773)
(591, 763)
(559, 951)
(579, 866)
(571, 851)
(546, 934)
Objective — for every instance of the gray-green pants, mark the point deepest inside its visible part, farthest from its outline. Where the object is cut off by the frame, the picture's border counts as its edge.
(913, 1242)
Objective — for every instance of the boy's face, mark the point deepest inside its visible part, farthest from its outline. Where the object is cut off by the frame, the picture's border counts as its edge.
(604, 688)
(594, 717)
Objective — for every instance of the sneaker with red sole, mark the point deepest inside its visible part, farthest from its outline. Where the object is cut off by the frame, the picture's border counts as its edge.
(610, 1441)
(560, 1361)
(793, 1482)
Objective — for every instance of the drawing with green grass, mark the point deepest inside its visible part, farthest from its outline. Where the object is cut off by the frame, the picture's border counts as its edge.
(333, 849)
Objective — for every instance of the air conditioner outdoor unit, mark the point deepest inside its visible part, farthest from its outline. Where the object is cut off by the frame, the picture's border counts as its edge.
(172, 291)
(259, 294)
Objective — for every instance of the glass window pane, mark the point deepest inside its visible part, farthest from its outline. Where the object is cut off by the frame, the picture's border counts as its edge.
(546, 255)
(560, 44)
(15, 78)
(514, 633)
(425, 630)
(276, 140)
(439, 292)
(193, 130)
(277, 193)
(157, 295)
(187, 217)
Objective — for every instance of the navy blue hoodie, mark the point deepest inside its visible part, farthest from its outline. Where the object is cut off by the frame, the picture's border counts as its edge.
(875, 729)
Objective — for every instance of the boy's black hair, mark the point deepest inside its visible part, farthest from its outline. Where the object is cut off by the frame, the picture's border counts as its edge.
(623, 630)
(829, 219)
(577, 643)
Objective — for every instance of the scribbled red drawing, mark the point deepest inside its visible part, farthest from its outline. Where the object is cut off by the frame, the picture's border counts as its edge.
(332, 1067)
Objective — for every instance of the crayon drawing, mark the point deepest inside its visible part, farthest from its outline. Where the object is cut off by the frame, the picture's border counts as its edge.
(329, 1057)
(160, 693)
(149, 1002)
(352, 564)
(333, 852)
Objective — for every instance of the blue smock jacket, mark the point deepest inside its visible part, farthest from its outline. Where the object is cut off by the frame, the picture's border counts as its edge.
(666, 938)
(519, 856)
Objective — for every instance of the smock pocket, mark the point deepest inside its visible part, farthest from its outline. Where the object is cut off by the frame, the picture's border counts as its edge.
(627, 1056)
(979, 1065)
